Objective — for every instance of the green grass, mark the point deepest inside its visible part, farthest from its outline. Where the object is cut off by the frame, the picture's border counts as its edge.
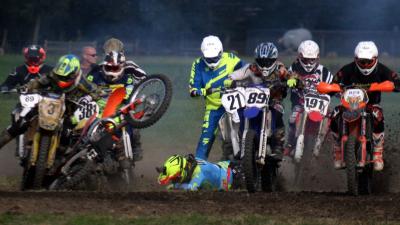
(182, 219)
(179, 129)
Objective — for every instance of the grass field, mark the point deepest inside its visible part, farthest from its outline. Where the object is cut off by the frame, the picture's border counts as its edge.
(178, 132)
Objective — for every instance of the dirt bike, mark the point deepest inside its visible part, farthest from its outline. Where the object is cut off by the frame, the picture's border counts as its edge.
(46, 130)
(229, 124)
(312, 129)
(355, 132)
(258, 162)
(99, 151)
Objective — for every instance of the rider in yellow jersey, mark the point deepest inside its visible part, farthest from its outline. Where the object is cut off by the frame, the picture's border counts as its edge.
(208, 73)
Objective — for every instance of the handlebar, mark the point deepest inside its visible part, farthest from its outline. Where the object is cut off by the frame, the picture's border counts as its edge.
(385, 86)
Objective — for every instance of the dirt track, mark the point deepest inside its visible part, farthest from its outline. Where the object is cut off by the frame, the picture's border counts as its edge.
(302, 204)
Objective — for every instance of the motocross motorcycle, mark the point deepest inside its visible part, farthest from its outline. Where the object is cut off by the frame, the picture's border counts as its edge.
(355, 132)
(98, 151)
(258, 162)
(46, 128)
(229, 124)
(312, 125)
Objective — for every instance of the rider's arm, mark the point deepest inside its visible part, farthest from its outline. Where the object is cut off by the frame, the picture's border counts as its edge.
(133, 69)
(11, 81)
(388, 74)
(196, 86)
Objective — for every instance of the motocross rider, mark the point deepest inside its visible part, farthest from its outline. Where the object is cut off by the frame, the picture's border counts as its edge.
(115, 71)
(209, 72)
(266, 69)
(309, 72)
(33, 67)
(66, 77)
(193, 173)
(365, 69)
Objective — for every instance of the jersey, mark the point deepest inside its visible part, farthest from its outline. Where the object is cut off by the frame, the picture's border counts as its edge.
(132, 74)
(249, 75)
(309, 79)
(203, 78)
(350, 74)
(209, 176)
(21, 76)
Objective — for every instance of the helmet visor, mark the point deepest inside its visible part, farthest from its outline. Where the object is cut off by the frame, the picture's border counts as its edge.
(33, 60)
(265, 62)
(112, 68)
(212, 59)
(309, 61)
(365, 63)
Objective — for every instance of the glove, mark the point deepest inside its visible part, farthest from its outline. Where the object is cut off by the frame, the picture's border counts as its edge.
(228, 83)
(210, 91)
(291, 82)
(195, 93)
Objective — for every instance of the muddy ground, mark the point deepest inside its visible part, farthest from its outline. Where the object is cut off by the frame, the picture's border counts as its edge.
(294, 205)
(319, 194)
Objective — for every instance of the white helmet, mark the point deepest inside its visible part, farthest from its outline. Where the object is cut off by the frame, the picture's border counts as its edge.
(113, 66)
(308, 55)
(366, 56)
(211, 47)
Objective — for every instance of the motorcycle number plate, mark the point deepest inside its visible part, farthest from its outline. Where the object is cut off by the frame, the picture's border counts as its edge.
(354, 95)
(316, 102)
(233, 100)
(257, 97)
(29, 100)
(86, 108)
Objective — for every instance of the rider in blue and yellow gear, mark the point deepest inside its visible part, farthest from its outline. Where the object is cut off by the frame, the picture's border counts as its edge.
(208, 74)
(116, 72)
(190, 173)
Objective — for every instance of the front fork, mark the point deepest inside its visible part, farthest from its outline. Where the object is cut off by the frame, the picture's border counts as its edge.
(360, 131)
(300, 138)
(263, 149)
(54, 142)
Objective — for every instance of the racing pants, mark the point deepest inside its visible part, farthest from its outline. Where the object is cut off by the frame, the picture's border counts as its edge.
(208, 132)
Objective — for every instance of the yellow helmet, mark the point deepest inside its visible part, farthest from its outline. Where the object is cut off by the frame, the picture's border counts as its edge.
(173, 170)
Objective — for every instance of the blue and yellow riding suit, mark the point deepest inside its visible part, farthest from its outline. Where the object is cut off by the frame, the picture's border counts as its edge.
(130, 77)
(208, 176)
(203, 78)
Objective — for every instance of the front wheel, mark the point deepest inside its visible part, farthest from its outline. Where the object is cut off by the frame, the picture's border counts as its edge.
(156, 93)
(351, 165)
(250, 167)
(41, 162)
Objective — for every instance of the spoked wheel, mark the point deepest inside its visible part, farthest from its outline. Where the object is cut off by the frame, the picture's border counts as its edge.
(250, 167)
(351, 163)
(155, 93)
(76, 175)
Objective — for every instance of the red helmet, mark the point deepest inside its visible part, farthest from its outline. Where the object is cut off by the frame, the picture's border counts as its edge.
(34, 57)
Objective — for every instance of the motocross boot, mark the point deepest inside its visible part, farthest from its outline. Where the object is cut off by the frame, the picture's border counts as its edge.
(337, 151)
(136, 146)
(279, 139)
(5, 137)
(378, 151)
(238, 181)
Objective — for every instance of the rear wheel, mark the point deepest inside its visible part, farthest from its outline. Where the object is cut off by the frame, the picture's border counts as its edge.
(250, 167)
(156, 93)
